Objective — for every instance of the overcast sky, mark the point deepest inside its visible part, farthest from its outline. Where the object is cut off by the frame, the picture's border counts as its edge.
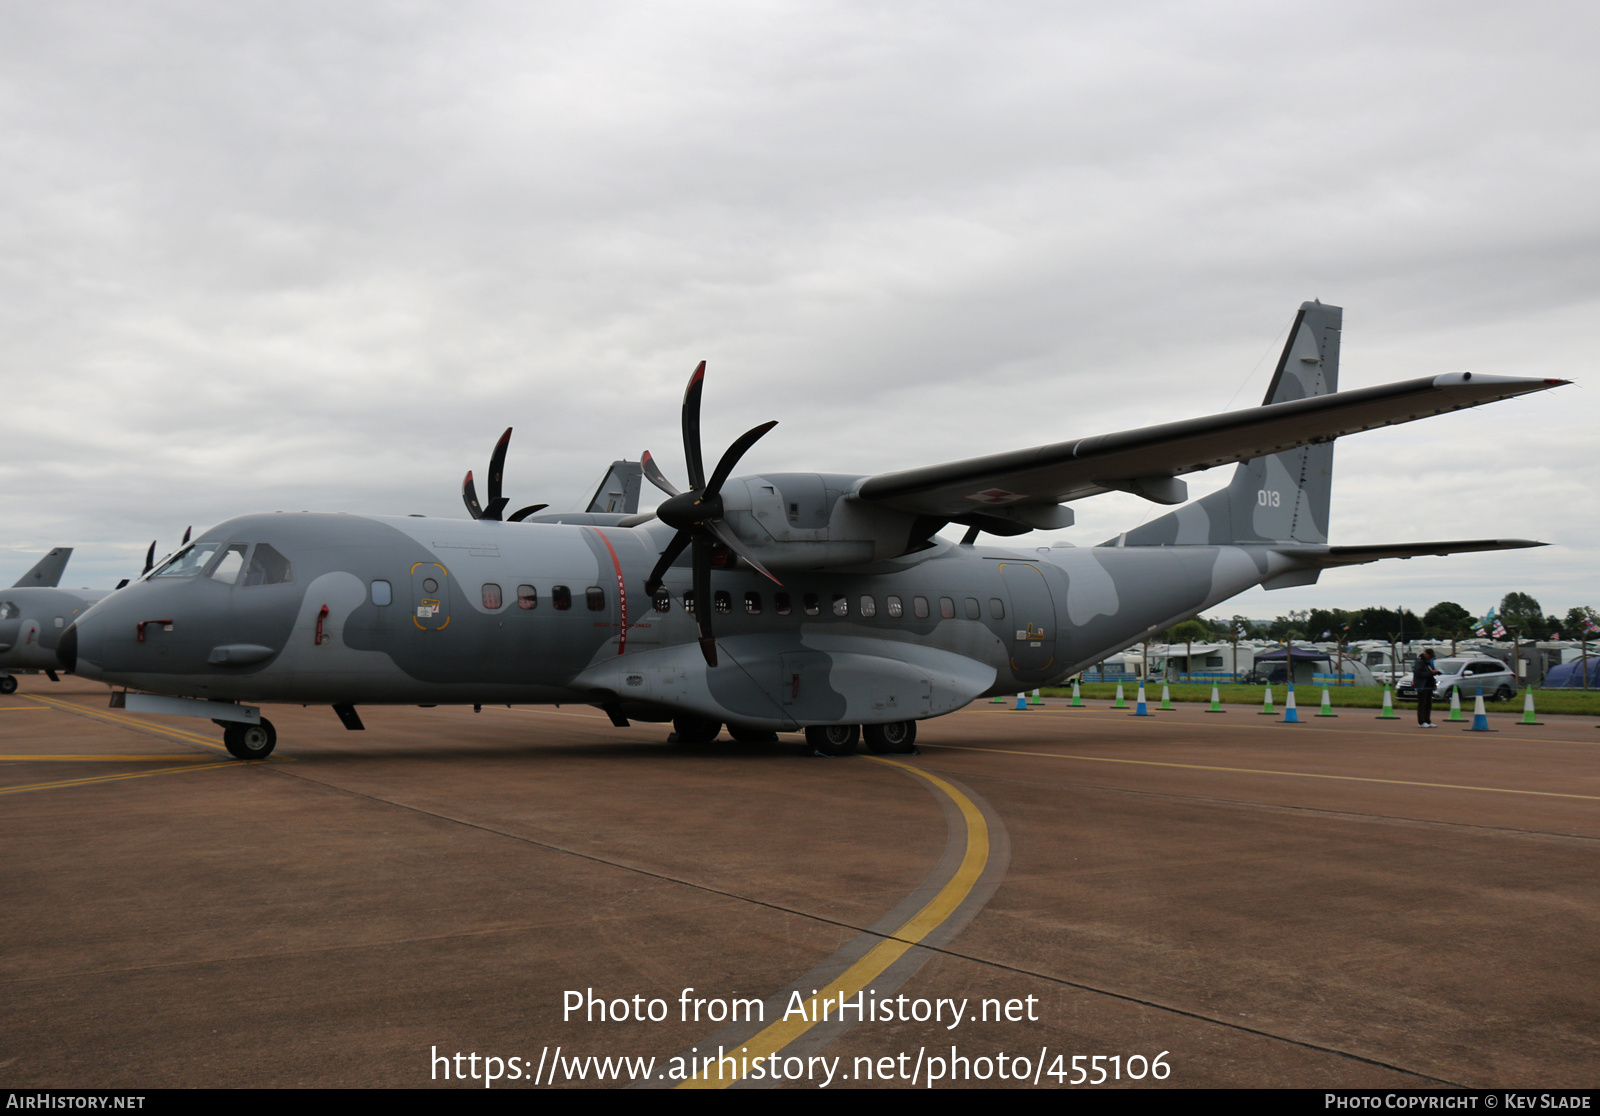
(296, 255)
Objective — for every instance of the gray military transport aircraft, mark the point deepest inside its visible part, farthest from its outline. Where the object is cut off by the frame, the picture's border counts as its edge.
(813, 601)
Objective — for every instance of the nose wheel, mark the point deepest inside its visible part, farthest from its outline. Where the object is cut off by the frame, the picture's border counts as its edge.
(8, 684)
(250, 742)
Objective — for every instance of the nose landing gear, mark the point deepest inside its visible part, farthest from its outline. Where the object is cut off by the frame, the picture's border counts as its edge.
(250, 742)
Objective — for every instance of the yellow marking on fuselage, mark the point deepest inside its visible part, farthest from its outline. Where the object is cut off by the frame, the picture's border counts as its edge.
(780, 1034)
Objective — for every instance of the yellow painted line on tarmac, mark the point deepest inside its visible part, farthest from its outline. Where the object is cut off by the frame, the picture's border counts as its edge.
(19, 708)
(126, 721)
(776, 1037)
(115, 778)
(168, 758)
(1258, 771)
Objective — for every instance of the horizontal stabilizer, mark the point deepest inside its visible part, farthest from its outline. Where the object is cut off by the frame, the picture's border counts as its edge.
(1323, 557)
(1073, 470)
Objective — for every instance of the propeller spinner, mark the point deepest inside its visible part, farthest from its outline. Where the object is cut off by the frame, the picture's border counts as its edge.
(697, 513)
(497, 502)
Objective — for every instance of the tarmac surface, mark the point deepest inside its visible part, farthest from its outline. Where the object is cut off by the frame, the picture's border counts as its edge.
(1341, 903)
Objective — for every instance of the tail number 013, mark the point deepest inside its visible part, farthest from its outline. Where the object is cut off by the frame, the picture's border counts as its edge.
(1268, 498)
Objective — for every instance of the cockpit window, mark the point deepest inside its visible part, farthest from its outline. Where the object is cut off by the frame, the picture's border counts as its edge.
(188, 561)
(268, 567)
(9, 610)
(226, 569)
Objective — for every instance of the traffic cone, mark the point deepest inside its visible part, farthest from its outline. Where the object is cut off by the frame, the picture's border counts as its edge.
(1266, 705)
(1388, 713)
(1166, 696)
(1022, 702)
(1216, 701)
(1327, 705)
(1140, 709)
(1480, 719)
(1291, 715)
(1120, 703)
(1527, 711)
(1077, 697)
(998, 701)
(1455, 705)
(1036, 699)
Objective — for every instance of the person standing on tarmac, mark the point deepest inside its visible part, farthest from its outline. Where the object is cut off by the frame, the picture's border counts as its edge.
(1422, 678)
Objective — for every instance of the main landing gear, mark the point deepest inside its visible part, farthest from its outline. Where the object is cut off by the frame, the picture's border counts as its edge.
(8, 684)
(895, 738)
(250, 742)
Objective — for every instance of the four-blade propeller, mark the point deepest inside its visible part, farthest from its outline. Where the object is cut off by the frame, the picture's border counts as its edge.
(697, 513)
(497, 502)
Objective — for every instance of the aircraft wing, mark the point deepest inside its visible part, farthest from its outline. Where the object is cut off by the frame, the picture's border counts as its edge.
(1145, 461)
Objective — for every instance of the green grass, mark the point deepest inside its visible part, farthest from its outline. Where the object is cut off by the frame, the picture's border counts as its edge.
(1575, 702)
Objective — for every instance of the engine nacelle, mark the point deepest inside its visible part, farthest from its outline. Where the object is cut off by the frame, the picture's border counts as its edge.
(808, 521)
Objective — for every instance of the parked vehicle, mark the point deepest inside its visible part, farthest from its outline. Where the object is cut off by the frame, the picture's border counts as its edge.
(1468, 676)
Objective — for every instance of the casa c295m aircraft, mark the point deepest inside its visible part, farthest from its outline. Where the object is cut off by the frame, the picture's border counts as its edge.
(768, 603)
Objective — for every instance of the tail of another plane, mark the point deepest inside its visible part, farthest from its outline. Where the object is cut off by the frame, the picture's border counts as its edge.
(1283, 498)
(46, 572)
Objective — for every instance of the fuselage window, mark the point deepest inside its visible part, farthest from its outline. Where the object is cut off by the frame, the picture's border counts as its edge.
(560, 598)
(974, 610)
(997, 608)
(896, 609)
(780, 602)
(596, 597)
(919, 607)
(227, 568)
(662, 601)
(492, 596)
(813, 604)
(752, 603)
(724, 601)
(841, 605)
(869, 607)
(60, 622)
(527, 597)
(268, 567)
(382, 592)
(947, 608)
(688, 600)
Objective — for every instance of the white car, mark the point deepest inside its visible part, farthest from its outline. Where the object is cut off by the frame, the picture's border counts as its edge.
(1469, 675)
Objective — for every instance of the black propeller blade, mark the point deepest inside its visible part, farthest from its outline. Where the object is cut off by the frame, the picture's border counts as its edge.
(149, 558)
(497, 502)
(697, 513)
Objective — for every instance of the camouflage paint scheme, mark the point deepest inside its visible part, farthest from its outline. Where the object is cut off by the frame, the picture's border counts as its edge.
(1016, 617)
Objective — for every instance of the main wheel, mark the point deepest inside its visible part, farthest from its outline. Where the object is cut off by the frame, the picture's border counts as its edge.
(834, 740)
(895, 738)
(696, 730)
(8, 684)
(250, 742)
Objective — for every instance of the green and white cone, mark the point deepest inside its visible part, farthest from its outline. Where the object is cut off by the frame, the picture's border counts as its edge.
(1455, 705)
(1327, 705)
(1388, 713)
(1266, 705)
(1216, 701)
(1166, 697)
(1077, 696)
(1121, 702)
(1527, 711)
(1036, 699)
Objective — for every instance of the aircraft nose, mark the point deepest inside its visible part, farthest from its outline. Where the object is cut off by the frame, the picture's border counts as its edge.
(79, 648)
(67, 648)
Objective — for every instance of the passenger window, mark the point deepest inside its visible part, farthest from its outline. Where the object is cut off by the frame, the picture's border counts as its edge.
(752, 603)
(596, 597)
(813, 604)
(841, 605)
(919, 606)
(382, 592)
(228, 567)
(662, 601)
(492, 599)
(268, 567)
(780, 602)
(974, 610)
(896, 609)
(60, 622)
(527, 597)
(723, 601)
(869, 607)
(560, 598)
(688, 600)
(947, 608)
(997, 608)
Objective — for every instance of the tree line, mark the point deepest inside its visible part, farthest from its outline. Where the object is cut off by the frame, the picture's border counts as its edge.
(1518, 612)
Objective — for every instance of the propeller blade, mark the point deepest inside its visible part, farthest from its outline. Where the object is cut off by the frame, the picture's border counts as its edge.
(469, 494)
(668, 556)
(185, 541)
(731, 541)
(691, 427)
(497, 468)
(702, 598)
(149, 558)
(523, 513)
(734, 452)
(636, 520)
(656, 476)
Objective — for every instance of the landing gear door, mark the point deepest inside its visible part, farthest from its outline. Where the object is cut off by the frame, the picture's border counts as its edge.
(430, 596)
(1032, 621)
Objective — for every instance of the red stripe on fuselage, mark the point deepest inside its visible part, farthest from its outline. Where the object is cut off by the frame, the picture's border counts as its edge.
(622, 590)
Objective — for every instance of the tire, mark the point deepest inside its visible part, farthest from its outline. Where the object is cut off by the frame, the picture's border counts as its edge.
(8, 684)
(1504, 693)
(833, 740)
(696, 730)
(250, 742)
(752, 735)
(896, 738)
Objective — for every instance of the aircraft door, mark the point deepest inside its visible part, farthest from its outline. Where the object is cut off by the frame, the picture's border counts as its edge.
(1032, 621)
(430, 596)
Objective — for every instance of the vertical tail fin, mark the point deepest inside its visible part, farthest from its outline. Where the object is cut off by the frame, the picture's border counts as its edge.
(46, 572)
(618, 490)
(1284, 497)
